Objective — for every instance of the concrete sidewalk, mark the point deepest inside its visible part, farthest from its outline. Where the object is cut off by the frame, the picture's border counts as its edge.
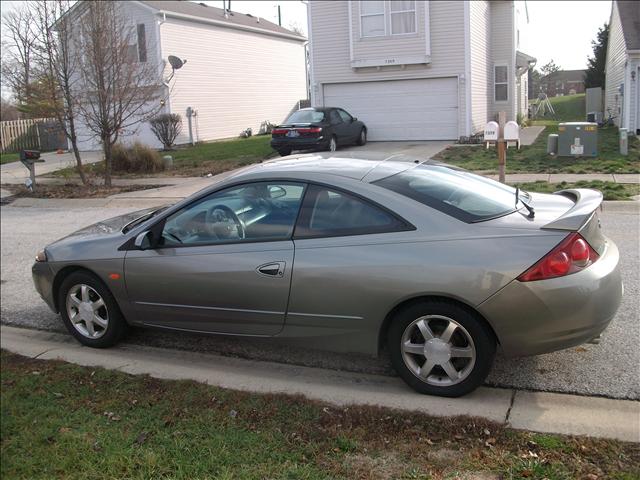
(544, 412)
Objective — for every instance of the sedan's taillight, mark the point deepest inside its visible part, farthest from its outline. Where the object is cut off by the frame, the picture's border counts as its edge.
(570, 256)
(279, 131)
(309, 130)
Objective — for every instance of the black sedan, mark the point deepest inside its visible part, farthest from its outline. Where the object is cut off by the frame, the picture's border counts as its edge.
(323, 128)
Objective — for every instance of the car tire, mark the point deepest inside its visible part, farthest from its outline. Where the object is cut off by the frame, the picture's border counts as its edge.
(284, 152)
(89, 311)
(362, 138)
(457, 357)
(333, 144)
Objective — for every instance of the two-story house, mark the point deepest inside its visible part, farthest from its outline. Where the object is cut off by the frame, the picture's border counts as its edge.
(563, 82)
(241, 70)
(418, 70)
(622, 70)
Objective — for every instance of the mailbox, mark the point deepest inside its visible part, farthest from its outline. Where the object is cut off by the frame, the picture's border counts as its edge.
(491, 131)
(512, 133)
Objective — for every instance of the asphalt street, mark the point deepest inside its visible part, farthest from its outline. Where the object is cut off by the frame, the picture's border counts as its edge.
(609, 369)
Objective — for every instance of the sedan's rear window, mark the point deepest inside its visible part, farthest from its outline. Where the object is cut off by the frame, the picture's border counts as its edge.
(463, 195)
(306, 116)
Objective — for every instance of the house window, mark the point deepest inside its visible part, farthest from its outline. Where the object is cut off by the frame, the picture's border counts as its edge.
(501, 83)
(403, 17)
(372, 22)
(142, 43)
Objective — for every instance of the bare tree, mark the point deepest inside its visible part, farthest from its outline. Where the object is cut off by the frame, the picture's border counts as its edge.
(59, 62)
(121, 87)
(8, 111)
(18, 28)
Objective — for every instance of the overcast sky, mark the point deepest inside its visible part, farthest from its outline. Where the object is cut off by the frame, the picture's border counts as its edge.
(558, 30)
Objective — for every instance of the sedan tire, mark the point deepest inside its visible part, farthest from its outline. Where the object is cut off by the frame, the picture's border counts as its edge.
(362, 138)
(441, 348)
(333, 144)
(89, 311)
(284, 152)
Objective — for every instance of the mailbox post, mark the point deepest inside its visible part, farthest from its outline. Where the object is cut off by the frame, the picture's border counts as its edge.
(501, 133)
(28, 159)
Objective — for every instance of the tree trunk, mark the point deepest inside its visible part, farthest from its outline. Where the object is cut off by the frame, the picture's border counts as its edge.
(76, 152)
(106, 148)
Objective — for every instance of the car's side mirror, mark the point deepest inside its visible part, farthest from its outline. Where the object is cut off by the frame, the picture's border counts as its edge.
(144, 240)
(354, 119)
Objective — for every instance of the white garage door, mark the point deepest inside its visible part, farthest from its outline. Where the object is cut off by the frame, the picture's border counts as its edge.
(425, 109)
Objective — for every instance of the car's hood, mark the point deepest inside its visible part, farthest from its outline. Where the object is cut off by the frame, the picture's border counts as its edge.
(112, 225)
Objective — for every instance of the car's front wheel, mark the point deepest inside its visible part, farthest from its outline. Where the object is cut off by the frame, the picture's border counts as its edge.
(362, 138)
(284, 152)
(89, 311)
(441, 348)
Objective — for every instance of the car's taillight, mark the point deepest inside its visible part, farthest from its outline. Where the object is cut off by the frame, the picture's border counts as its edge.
(279, 131)
(309, 130)
(570, 256)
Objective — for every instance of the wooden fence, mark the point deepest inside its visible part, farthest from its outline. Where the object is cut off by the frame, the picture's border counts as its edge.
(16, 135)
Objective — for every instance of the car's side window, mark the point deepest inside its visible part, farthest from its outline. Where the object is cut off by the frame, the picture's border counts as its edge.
(260, 211)
(334, 117)
(331, 212)
(345, 116)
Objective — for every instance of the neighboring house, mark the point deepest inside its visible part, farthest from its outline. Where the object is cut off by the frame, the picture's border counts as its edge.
(241, 70)
(563, 82)
(418, 70)
(622, 81)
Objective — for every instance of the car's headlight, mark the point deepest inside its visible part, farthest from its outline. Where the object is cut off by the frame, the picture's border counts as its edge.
(41, 256)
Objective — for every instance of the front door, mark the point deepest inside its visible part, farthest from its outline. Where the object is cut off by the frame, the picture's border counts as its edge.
(223, 263)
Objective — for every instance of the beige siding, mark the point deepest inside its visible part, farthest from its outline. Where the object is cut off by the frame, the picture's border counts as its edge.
(330, 48)
(481, 73)
(615, 69)
(233, 79)
(503, 53)
(634, 94)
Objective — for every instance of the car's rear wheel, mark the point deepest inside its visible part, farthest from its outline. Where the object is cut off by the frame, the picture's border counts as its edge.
(284, 152)
(362, 138)
(333, 144)
(441, 348)
(89, 311)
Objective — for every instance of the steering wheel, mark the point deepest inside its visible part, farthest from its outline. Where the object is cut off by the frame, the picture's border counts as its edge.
(223, 221)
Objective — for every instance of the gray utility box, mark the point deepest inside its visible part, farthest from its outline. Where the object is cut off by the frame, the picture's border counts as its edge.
(578, 139)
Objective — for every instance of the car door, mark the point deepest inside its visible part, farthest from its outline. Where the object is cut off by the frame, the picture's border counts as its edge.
(351, 125)
(222, 264)
(345, 262)
(340, 129)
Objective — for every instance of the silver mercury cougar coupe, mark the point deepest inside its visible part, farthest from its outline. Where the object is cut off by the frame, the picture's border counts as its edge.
(436, 264)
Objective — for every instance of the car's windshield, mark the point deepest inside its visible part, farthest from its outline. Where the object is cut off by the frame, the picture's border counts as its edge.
(306, 116)
(458, 193)
(129, 226)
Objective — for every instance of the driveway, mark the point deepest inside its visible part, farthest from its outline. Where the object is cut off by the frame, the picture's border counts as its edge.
(417, 149)
(15, 172)
(610, 369)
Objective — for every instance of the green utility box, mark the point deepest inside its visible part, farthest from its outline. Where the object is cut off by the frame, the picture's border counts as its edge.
(578, 139)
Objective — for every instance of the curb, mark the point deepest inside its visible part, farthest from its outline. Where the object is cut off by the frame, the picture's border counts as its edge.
(536, 411)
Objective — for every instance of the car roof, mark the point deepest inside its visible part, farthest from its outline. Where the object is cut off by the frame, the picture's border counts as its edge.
(363, 166)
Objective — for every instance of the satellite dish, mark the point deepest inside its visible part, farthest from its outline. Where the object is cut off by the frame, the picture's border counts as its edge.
(175, 62)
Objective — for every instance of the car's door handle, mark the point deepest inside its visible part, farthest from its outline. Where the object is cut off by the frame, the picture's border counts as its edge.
(273, 269)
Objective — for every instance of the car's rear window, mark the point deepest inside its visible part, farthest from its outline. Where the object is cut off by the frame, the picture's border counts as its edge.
(306, 116)
(463, 195)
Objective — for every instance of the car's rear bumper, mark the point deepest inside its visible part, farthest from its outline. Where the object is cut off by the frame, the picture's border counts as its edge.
(299, 143)
(530, 318)
(43, 281)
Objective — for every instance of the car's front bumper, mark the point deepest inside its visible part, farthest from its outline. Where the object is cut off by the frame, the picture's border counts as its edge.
(299, 143)
(530, 318)
(43, 281)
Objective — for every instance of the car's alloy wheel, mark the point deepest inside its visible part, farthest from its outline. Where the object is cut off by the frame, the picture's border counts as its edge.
(440, 347)
(87, 311)
(333, 144)
(90, 311)
(363, 137)
(438, 350)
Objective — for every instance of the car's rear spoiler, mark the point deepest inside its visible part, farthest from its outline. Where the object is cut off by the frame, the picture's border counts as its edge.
(586, 202)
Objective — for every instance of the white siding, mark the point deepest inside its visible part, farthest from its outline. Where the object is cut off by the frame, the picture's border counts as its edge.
(481, 73)
(634, 95)
(503, 52)
(330, 48)
(233, 79)
(615, 68)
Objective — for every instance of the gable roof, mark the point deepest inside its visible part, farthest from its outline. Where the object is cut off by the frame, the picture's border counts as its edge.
(630, 21)
(199, 11)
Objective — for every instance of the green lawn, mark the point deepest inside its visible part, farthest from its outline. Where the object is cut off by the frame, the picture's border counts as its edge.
(9, 157)
(610, 190)
(534, 158)
(201, 159)
(570, 108)
(65, 421)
